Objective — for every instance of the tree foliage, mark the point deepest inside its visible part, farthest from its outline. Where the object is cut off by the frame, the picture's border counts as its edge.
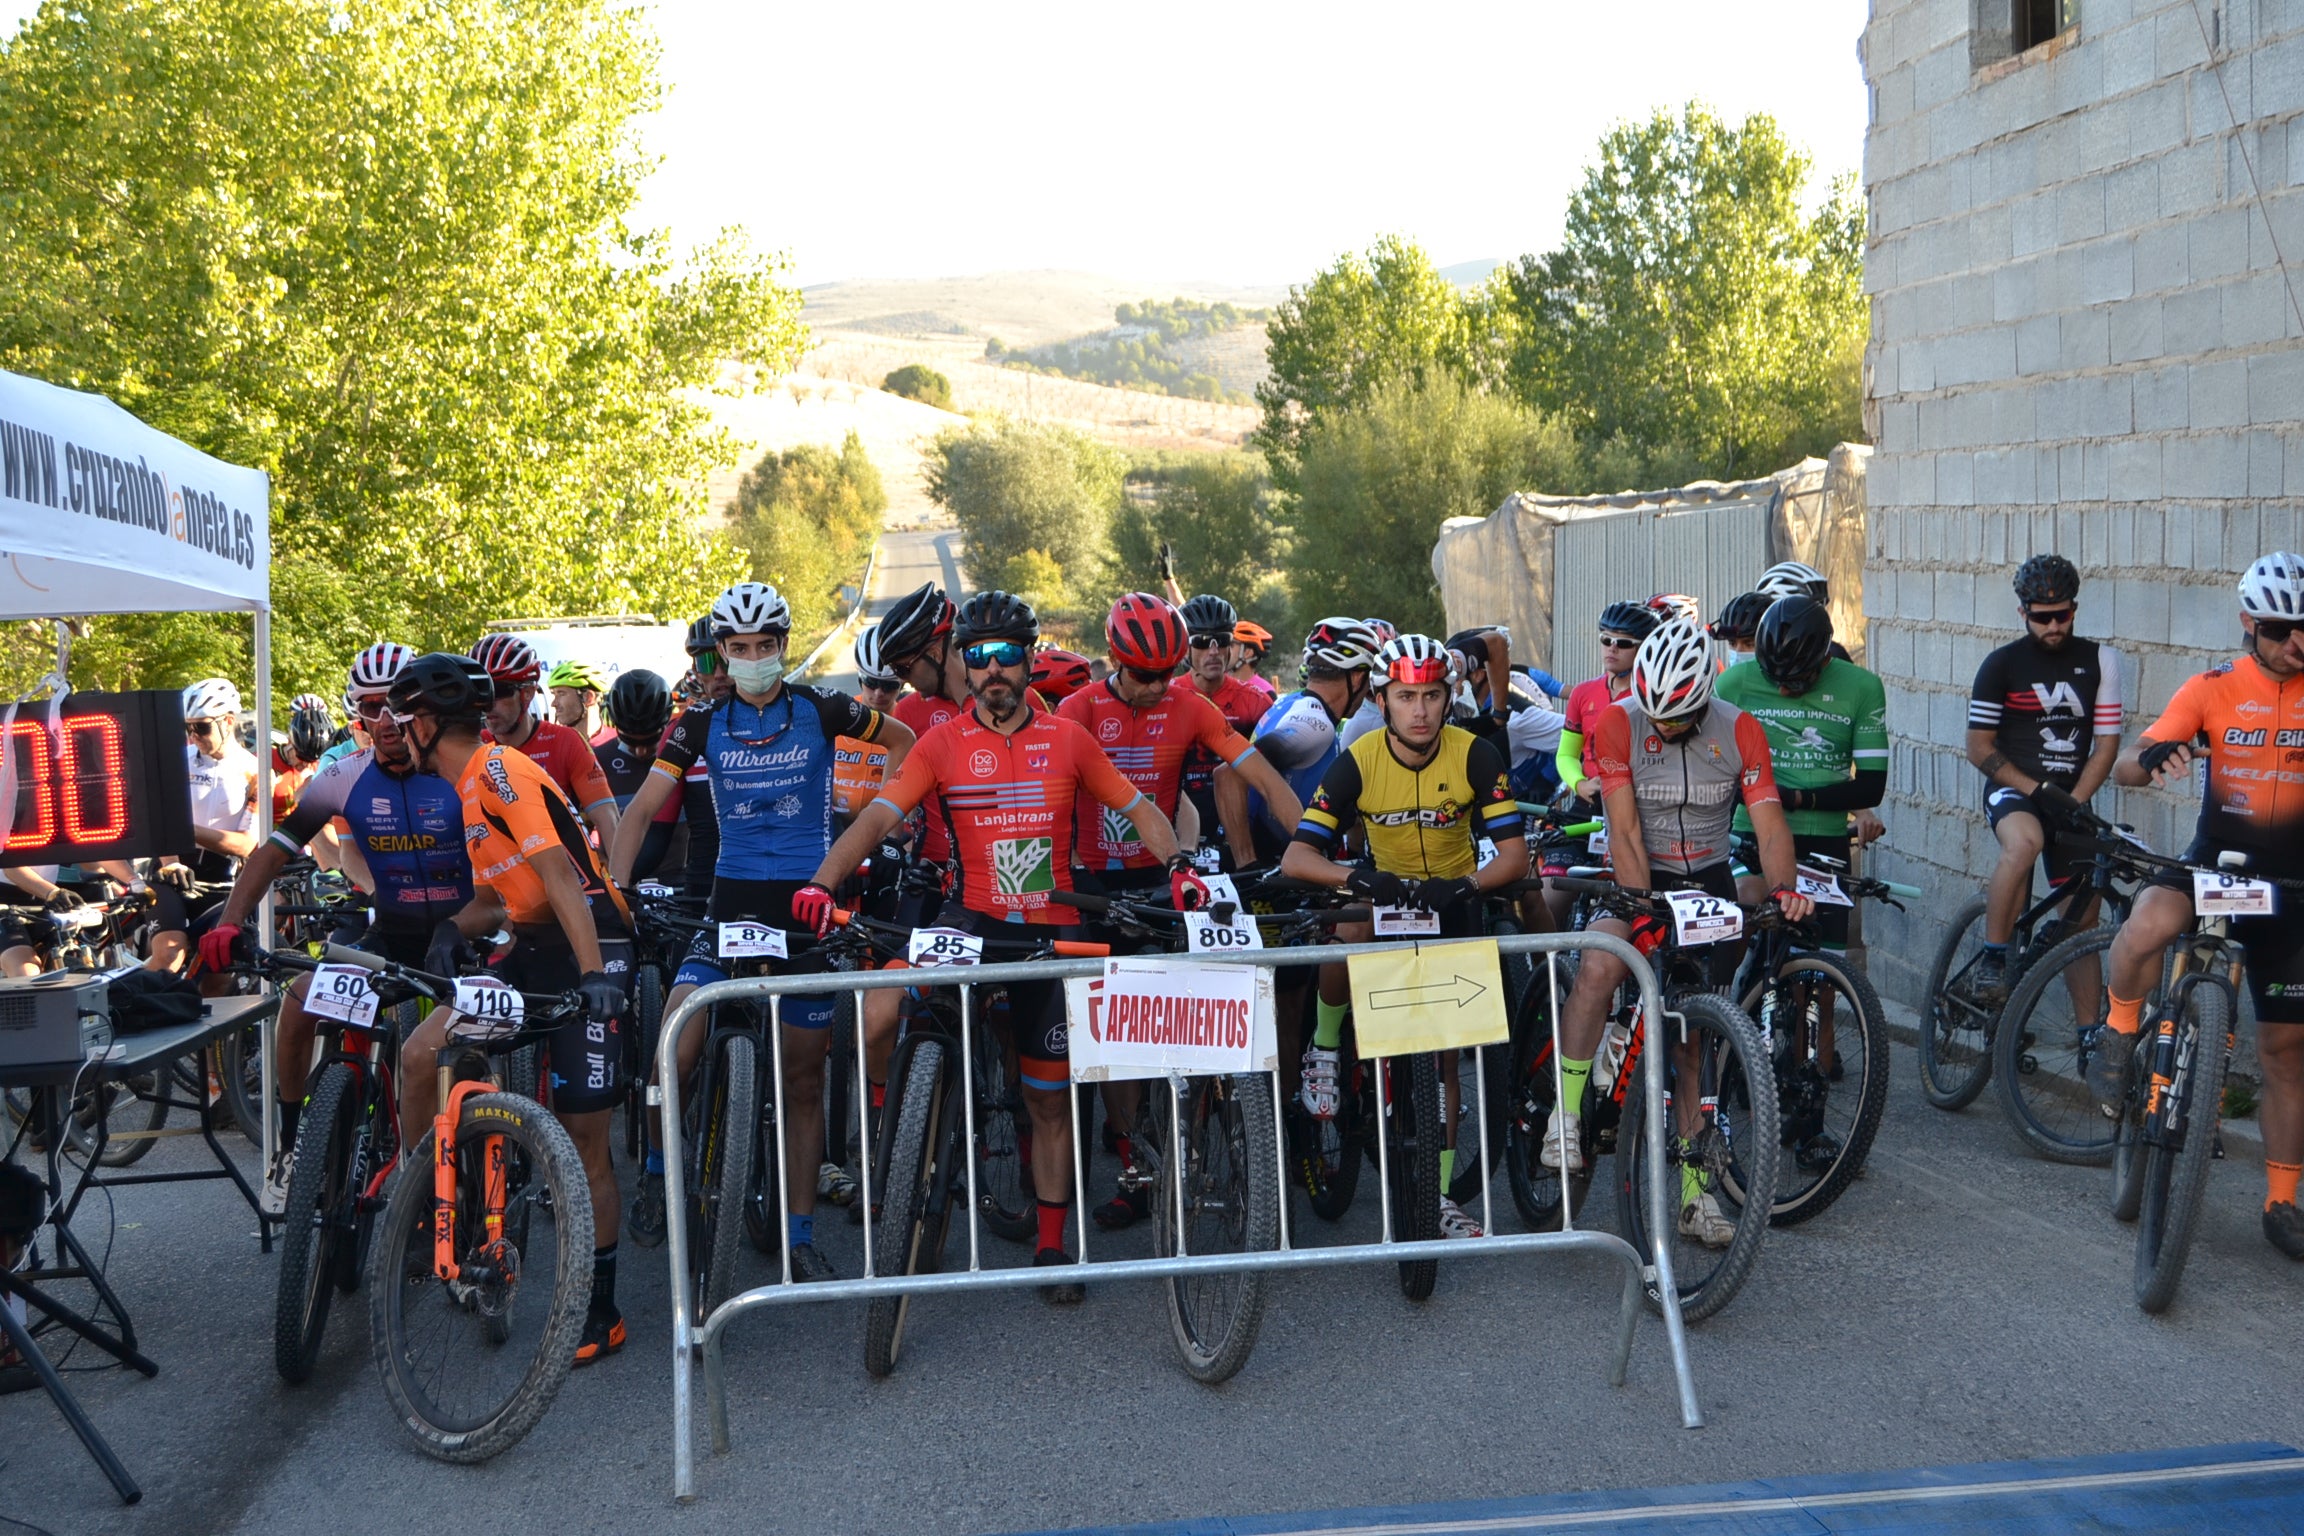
(918, 381)
(1214, 509)
(806, 519)
(1021, 489)
(383, 254)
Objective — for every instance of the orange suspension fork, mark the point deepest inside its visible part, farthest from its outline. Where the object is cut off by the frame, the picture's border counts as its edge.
(444, 1179)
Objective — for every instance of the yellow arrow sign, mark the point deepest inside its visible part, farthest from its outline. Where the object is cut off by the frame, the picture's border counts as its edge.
(1433, 997)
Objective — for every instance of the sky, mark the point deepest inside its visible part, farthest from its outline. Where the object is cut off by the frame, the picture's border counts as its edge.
(1246, 143)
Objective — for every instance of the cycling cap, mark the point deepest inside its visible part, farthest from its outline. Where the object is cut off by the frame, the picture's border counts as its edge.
(2054, 579)
(1789, 578)
(510, 661)
(700, 637)
(2274, 587)
(309, 728)
(640, 704)
(1672, 674)
(1676, 605)
(373, 670)
(1211, 615)
(912, 624)
(995, 616)
(211, 698)
(869, 668)
(1740, 619)
(1144, 632)
(751, 608)
(1384, 630)
(1341, 645)
(450, 687)
(1248, 632)
(1415, 659)
(575, 674)
(1059, 674)
(1794, 642)
(1635, 619)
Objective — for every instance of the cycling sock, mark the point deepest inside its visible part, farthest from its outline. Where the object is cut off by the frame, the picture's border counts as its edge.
(1574, 1075)
(2127, 1014)
(1053, 1215)
(655, 1162)
(1691, 1184)
(1328, 1029)
(801, 1228)
(2280, 1183)
(604, 1279)
(1126, 1148)
(1447, 1170)
(289, 1114)
(2000, 949)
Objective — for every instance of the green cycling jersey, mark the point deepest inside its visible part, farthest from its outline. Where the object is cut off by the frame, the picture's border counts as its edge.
(1816, 739)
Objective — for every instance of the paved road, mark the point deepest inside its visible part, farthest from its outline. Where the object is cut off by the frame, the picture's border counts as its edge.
(908, 557)
(1963, 1303)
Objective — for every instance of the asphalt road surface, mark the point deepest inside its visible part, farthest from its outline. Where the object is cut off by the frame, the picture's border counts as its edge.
(908, 557)
(1963, 1302)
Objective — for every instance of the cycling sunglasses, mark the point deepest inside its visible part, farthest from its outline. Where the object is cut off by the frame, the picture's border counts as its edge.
(2061, 615)
(1618, 643)
(2276, 630)
(201, 728)
(706, 663)
(1147, 679)
(1204, 642)
(995, 653)
(369, 709)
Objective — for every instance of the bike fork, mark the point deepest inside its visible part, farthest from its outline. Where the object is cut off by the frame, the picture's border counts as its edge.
(444, 1169)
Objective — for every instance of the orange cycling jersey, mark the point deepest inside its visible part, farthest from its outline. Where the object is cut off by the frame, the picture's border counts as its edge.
(2253, 726)
(1150, 746)
(1008, 806)
(858, 767)
(512, 812)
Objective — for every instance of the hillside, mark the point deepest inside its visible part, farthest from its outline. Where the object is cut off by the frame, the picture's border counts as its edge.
(1023, 309)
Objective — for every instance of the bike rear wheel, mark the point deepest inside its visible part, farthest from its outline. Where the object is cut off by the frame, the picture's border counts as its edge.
(240, 1078)
(905, 1241)
(1003, 1181)
(317, 1224)
(1828, 1127)
(724, 1153)
(2047, 1035)
(469, 1368)
(1955, 1027)
(1414, 1125)
(2176, 1162)
(1530, 1093)
(1732, 1151)
(1231, 1204)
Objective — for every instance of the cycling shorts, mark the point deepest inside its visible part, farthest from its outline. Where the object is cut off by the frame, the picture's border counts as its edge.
(175, 911)
(1036, 1015)
(586, 1056)
(756, 901)
(401, 943)
(2061, 863)
(2275, 944)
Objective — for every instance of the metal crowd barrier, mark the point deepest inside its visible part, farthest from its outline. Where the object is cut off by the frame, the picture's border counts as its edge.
(693, 1340)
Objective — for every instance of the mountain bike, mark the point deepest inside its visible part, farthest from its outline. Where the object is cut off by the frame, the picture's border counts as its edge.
(659, 946)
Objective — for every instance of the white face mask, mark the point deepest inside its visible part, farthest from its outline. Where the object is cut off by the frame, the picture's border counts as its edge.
(756, 677)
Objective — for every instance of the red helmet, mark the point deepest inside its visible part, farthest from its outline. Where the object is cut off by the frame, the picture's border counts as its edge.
(508, 660)
(1147, 633)
(1059, 674)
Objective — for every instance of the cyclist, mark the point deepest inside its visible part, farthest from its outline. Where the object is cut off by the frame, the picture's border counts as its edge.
(1209, 626)
(530, 858)
(1151, 730)
(575, 688)
(1423, 793)
(1738, 625)
(859, 767)
(1369, 716)
(2036, 700)
(1622, 627)
(223, 775)
(768, 748)
(1298, 734)
(1827, 726)
(566, 755)
(2247, 715)
(640, 704)
(1673, 763)
(1790, 578)
(1521, 721)
(1675, 605)
(1250, 642)
(408, 828)
(1008, 775)
(709, 676)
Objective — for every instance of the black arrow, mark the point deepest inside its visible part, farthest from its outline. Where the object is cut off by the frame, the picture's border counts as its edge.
(1431, 993)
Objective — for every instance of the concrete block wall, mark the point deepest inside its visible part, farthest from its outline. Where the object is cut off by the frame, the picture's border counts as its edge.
(2085, 339)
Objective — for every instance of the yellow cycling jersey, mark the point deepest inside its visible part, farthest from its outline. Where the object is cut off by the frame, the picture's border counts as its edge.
(1422, 823)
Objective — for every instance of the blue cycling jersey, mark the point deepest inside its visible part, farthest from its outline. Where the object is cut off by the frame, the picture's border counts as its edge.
(409, 827)
(1296, 735)
(771, 769)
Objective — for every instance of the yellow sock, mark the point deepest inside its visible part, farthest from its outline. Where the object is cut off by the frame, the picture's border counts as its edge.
(2127, 1014)
(2280, 1183)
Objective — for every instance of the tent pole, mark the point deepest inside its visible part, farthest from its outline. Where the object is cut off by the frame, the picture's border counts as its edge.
(264, 926)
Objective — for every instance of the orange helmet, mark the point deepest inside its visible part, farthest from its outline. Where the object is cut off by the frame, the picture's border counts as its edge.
(1248, 632)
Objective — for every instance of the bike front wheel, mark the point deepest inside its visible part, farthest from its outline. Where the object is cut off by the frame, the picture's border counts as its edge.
(1414, 1123)
(1820, 1014)
(2048, 1034)
(2176, 1160)
(907, 1239)
(1956, 1028)
(317, 1223)
(1228, 1166)
(724, 1156)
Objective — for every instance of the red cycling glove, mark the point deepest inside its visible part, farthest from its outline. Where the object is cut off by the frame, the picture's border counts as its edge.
(1186, 889)
(812, 909)
(222, 945)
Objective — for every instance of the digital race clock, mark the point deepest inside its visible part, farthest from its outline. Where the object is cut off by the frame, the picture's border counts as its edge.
(108, 783)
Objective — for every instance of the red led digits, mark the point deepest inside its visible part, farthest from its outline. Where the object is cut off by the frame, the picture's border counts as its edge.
(36, 781)
(94, 768)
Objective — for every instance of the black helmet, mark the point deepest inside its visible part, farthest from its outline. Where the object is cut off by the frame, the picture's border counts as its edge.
(1635, 619)
(2047, 579)
(454, 688)
(1740, 619)
(1794, 642)
(640, 703)
(309, 731)
(912, 624)
(1208, 614)
(700, 637)
(992, 616)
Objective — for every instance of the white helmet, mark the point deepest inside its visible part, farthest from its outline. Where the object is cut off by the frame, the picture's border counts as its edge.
(373, 670)
(1344, 644)
(2274, 587)
(1672, 673)
(750, 608)
(1416, 659)
(869, 668)
(211, 698)
(1789, 578)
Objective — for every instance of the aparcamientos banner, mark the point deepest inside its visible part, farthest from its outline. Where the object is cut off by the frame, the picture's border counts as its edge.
(99, 513)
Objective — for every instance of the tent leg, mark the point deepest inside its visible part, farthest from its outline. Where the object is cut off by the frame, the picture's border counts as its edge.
(263, 655)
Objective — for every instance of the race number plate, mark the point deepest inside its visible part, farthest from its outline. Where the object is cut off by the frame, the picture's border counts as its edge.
(752, 941)
(944, 946)
(487, 1005)
(1208, 860)
(1701, 919)
(2221, 895)
(1596, 846)
(1406, 923)
(341, 992)
(1822, 889)
(1221, 888)
(1207, 936)
(655, 890)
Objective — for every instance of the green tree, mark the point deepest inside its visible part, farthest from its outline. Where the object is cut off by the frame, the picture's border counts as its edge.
(1379, 479)
(1693, 315)
(806, 519)
(1215, 509)
(384, 254)
(1363, 322)
(1022, 486)
(918, 381)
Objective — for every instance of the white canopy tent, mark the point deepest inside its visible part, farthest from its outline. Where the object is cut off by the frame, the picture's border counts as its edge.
(100, 513)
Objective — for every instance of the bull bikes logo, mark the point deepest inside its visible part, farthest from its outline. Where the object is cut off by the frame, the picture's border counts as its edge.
(1022, 866)
(501, 781)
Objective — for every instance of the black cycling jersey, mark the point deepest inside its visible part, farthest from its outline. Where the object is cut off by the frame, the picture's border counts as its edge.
(2045, 707)
(625, 768)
